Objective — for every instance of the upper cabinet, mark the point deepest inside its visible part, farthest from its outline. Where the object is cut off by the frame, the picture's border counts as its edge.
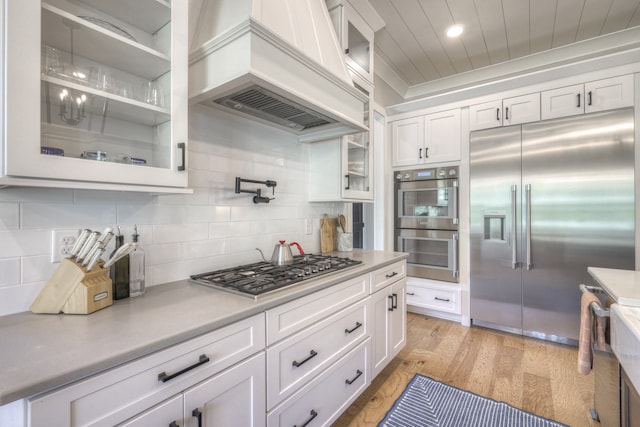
(342, 168)
(432, 138)
(505, 112)
(599, 95)
(355, 37)
(95, 94)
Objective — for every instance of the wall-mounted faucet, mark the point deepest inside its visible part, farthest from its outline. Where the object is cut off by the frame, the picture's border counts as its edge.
(258, 198)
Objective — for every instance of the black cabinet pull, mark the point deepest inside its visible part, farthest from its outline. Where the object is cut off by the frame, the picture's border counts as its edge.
(164, 377)
(442, 299)
(313, 415)
(183, 147)
(420, 153)
(506, 113)
(312, 354)
(391, 299)
(578, 101)
(426, 152)
(394, 301)
(410, 293)
(346, 177)
(358, 373)
(389, 276)
(497, 114)
(174, 424)
(196, 413)
(348, 331)
(590, 98)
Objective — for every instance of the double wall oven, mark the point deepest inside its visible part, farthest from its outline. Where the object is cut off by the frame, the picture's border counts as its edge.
(426, 221)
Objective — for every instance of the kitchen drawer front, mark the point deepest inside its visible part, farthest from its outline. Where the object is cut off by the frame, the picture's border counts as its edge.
(158, 415)
(123, 392)
(294, 316)
(385, 276)
(329, 394)
(295, 360)
(447, 300)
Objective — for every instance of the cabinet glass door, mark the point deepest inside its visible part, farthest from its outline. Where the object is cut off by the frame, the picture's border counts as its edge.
(358, 47)
(98, 92)
(357, 157)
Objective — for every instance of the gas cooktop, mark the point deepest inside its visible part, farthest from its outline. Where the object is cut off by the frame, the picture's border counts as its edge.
(261, 278)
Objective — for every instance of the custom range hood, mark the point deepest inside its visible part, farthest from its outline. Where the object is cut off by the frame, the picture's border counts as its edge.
(277, 61)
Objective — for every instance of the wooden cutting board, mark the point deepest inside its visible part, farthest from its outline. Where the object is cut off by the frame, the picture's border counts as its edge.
(328, 234)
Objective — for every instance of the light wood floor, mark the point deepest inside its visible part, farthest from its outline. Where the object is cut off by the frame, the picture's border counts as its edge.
(534, 375)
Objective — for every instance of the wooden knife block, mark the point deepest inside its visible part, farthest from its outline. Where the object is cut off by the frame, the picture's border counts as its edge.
(73, 290)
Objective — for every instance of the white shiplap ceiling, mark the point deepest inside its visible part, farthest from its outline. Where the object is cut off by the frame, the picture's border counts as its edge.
(414, 45)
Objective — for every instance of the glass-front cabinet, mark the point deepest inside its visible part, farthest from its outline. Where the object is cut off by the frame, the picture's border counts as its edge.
(355, 36)
(96, 94)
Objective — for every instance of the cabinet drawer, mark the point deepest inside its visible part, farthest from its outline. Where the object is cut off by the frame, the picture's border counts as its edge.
(295, 360)
(385, 276)
(123, 392)
(296, 315)
(437, 299)
(329, 394)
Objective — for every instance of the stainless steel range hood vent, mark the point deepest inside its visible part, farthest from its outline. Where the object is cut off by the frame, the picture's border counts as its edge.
(266, 105)
(276, 61)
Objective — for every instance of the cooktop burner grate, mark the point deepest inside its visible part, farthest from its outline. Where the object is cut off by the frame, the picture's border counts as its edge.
(263, 277)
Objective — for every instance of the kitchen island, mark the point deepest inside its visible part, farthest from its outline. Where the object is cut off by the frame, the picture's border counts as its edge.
(44, 352)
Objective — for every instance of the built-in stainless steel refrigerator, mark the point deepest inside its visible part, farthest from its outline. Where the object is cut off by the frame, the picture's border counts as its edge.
(548, 200)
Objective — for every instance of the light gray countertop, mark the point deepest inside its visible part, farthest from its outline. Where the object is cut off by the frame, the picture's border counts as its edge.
(40, 352)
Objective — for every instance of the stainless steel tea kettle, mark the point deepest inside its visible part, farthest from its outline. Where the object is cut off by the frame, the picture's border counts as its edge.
(282, 253)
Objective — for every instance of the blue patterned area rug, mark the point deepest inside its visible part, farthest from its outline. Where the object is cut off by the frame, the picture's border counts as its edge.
(429, 403)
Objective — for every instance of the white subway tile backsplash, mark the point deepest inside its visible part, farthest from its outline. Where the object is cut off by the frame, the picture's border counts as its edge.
(9, 271)
(37, 268)
(14, 299)
(204, 248)
(170, 233)
(21, 243)
(39, 215)
(163, 253)
(9, 216)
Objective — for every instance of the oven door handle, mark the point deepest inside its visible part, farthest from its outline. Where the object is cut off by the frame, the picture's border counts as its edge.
(455, 201)
(455, 255)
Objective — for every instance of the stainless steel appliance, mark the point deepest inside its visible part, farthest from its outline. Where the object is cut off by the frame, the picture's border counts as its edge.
(606, 392)
(426, 223)
(262, 278)
(547, 200)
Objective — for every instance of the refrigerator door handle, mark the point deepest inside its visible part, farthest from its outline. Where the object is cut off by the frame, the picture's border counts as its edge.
(514, 239)
(528, 236)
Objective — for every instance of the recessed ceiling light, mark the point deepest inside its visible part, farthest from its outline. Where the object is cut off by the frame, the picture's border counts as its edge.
(454, 30)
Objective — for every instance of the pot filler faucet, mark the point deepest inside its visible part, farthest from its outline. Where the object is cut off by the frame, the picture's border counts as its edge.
(258, 198)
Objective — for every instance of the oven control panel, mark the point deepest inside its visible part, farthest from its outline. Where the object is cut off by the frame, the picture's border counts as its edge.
(428, 174)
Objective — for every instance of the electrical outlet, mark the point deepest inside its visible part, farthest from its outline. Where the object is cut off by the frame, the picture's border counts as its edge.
(62, 241)
(308, 226)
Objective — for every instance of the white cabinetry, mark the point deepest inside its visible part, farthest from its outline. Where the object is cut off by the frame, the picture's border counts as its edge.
(505, 112)
(441, 299)
(355, 37)
(599, 95)
(318, 354)
(341, 169)
(127, 393)
(234, 397)
(431, 138)
(388, 327)
(96, 94)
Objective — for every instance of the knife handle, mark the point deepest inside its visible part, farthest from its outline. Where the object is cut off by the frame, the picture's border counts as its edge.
(91, 240)
(79, 242)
